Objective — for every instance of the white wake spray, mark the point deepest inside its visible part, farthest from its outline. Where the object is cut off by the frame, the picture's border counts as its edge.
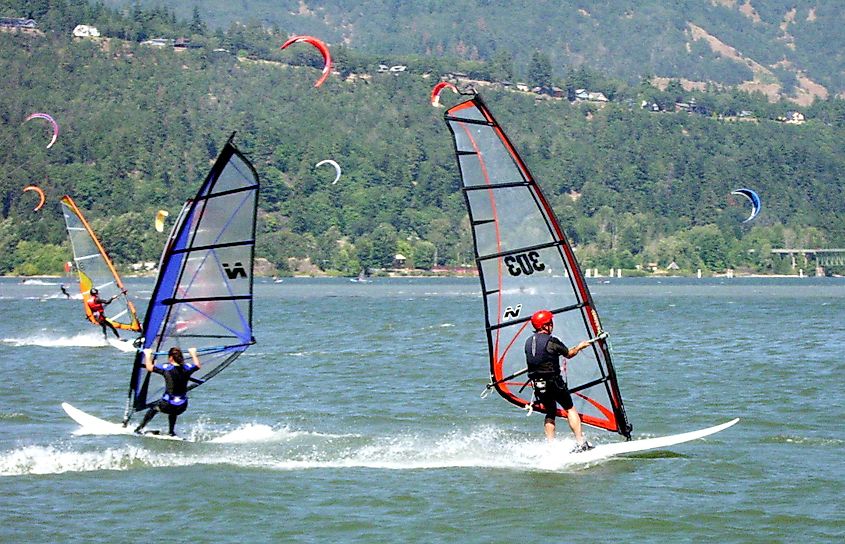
(262, 446)
(93, 339)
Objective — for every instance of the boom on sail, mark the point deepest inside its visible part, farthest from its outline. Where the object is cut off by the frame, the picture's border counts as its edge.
(526, 264)
(203, 294)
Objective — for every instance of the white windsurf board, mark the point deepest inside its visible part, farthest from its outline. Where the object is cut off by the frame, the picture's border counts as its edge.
(125, 346)
(602, 451)
(94, 425)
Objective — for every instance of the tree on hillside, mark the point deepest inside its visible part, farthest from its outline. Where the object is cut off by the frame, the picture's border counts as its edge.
(384, 245)
(501, 67)
(540, 70)
(197, 24)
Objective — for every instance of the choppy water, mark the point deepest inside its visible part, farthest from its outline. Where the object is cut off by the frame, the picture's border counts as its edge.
(357, 418)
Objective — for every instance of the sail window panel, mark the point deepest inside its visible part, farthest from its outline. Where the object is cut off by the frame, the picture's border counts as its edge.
(518, 296)
(231, 215)
(211, 364)
(510, 220)
(235, 175)
(477, 171)
(491, 163)
(220, 272)
(204, 324)
(463, 139)
(593, 403)
(510, 351)
(100, 275)
(469, 112)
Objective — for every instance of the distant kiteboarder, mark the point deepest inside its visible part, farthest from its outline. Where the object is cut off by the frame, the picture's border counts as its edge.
(64, 290)
(337, 170)
(53, 124)
(753, 199)
(321, 47)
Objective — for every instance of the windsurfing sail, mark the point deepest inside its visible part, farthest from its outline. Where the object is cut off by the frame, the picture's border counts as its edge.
(203, 295)
(526, 264)
(96, 270)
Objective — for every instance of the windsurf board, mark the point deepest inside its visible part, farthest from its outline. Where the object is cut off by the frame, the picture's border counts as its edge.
(602, 451)
(94, 425)
(125, 346)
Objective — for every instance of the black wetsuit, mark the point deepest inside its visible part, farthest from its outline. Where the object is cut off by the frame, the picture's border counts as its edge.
(175, 399)
(542, 353)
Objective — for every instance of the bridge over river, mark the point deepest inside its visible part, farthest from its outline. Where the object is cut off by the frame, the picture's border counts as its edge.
(820, 257)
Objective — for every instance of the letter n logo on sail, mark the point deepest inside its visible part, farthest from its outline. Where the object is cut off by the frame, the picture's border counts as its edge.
(235, 271)
(511, 312)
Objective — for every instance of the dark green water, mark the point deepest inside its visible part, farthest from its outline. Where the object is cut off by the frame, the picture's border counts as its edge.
(357, 418)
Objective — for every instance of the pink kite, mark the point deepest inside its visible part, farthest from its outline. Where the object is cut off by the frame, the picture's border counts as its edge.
(52, 122)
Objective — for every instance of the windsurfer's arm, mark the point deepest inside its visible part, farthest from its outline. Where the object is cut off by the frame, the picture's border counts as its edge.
(556, 347)
(148, 359)
(193, 352)
(574, 351)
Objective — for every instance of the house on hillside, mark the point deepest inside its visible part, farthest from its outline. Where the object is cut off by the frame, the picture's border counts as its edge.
(554, 92)
(85, 31)
(399, 261)
(398, 68)
(793, 118)
(157, 42)
(584, 94)
(17, 22)
(650, 106)
(184, 43)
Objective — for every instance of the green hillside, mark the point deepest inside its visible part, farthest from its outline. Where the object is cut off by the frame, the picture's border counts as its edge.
(791, 43)
(140, 126)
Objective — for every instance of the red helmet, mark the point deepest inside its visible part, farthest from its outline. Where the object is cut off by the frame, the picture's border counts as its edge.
(541, 319)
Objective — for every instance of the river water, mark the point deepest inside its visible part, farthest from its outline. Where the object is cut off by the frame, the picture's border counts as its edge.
(357, 418)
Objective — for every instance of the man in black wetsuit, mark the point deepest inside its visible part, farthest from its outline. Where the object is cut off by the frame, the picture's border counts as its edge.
(176, 374)
(542, 353)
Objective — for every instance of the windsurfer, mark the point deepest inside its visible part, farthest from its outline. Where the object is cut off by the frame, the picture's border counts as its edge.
(542, 353)
(176, 374)
(97, 307)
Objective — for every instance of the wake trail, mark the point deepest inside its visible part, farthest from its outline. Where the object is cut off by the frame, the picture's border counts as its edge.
(82, 340)
(264, 447)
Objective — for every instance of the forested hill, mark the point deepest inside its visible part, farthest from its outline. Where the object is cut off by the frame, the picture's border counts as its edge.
(140, 126)
(792, 48)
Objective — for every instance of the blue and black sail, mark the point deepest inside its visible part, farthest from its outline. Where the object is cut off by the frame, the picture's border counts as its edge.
(203, 296)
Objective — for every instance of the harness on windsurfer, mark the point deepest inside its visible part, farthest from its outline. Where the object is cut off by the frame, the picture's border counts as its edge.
(542, 355)
(176, 375)
(98, 311)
